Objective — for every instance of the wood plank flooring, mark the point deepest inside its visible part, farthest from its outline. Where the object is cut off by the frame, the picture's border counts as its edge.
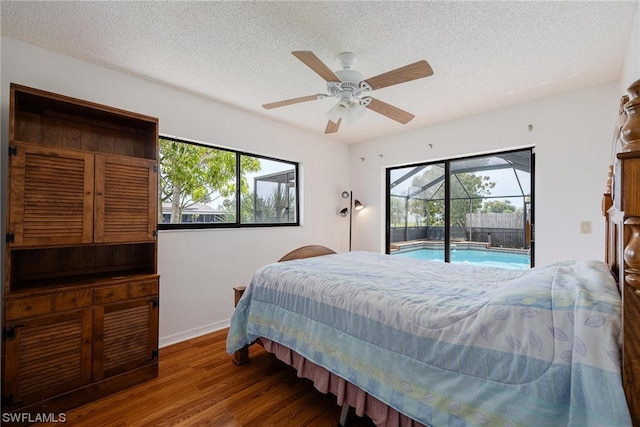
(199, 385)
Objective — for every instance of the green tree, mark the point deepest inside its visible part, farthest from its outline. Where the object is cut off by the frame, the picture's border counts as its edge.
(273, 208)
(498, 206)
(426, 194)
(279, 203)
(191, 174)
(398, 213)
(467, 193)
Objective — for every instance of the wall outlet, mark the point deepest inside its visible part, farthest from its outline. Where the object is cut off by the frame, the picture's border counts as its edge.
(585, 227)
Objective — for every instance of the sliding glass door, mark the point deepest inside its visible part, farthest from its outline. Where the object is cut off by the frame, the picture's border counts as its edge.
(416, 208)
(476, 210)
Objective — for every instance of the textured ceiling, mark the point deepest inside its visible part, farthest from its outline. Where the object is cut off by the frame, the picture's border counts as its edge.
(485, 55)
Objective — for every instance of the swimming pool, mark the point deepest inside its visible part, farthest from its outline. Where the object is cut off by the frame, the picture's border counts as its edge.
(483, 258)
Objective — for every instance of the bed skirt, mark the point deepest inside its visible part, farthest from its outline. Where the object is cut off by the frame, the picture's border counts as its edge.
(380, 413)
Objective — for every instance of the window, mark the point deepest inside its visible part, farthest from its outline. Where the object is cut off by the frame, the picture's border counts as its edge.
(477, 210)
(207, 187)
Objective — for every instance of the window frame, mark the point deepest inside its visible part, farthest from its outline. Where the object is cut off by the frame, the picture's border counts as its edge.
(238, 195)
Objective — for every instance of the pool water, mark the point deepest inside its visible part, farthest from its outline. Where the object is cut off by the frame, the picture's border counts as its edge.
(481, 258)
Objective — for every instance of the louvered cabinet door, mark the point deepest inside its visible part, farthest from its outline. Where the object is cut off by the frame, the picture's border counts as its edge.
(126, 200)
(46, 356)
(125, 336)
(51, 196)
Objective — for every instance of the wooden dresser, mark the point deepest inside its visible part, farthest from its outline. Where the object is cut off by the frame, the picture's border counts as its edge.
(80, 315)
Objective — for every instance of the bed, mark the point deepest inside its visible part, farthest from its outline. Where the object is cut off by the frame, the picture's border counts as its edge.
(424, 343)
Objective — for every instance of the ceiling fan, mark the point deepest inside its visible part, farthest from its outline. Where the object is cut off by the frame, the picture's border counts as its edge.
(350, 87)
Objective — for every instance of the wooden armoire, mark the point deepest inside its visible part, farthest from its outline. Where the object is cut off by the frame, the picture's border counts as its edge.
(80, 313)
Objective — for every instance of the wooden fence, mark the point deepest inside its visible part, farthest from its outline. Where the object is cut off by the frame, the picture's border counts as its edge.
(498, 229)
(494, 220)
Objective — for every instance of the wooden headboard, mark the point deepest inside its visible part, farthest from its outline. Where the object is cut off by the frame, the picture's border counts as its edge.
(307, 252)
(621, 208)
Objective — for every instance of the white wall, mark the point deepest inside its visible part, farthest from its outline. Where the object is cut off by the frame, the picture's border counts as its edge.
(631, 70)
(572, 138)
(198, 268)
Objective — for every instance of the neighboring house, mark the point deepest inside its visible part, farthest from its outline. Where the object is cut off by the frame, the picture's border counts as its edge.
(198, 212)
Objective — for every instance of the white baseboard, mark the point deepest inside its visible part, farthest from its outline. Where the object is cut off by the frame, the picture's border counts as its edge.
(192, 333)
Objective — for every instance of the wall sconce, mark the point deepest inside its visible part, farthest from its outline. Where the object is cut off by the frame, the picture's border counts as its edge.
(353, 205)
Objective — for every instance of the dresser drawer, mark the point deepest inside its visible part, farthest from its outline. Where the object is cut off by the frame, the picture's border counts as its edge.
(143, 289)
(109, 294)
(26, 307)
(72, 299)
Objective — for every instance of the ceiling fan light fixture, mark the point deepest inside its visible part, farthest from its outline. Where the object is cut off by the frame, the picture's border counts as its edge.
(338, 111)
(348, 111)
(354, 113)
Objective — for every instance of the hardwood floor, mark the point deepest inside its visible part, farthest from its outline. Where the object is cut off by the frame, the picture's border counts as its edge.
(199, 385)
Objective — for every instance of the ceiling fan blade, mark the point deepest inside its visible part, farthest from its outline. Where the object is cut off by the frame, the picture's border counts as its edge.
(290, 101)
(390, 111)
(312, 61)
(332, 127)
(414, 71)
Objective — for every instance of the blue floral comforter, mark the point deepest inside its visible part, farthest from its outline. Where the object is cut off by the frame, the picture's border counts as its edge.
(451, 345)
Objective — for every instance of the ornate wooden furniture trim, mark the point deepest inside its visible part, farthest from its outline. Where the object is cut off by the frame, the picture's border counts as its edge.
(621, 206)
